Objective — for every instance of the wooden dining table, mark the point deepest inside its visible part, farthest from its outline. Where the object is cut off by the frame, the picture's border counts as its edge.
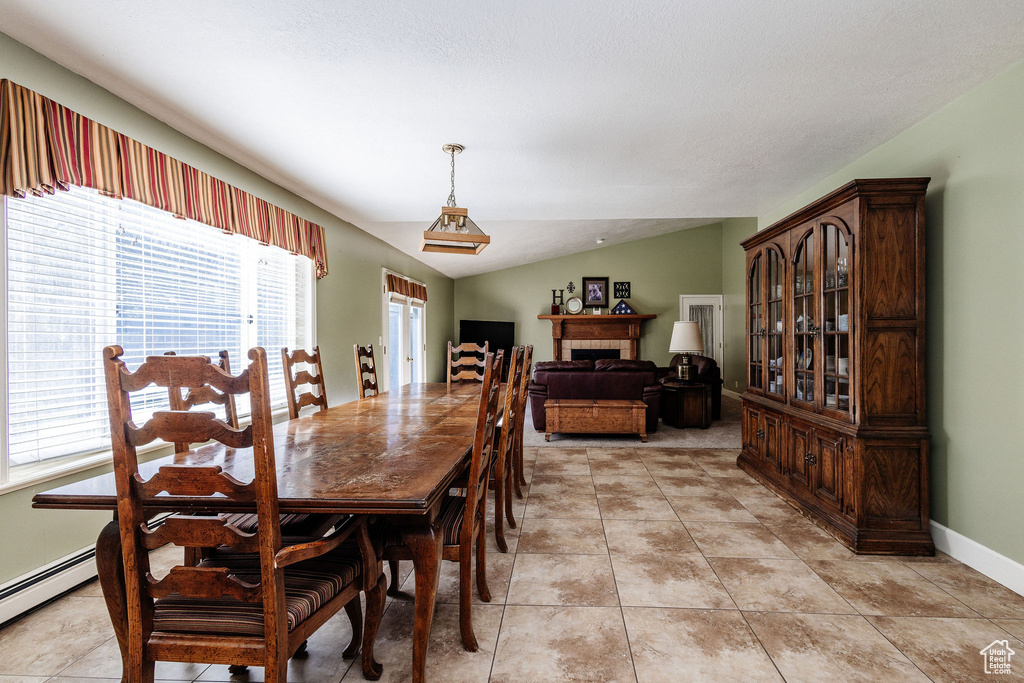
(394, 455)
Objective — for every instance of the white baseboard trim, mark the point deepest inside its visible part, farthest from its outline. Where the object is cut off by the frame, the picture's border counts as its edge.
(987, 561)
(732, 394)
(36, 587)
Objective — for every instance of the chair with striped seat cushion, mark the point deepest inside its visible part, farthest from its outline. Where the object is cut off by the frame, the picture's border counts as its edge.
(253, 600)
(505, 437)
(462, 519)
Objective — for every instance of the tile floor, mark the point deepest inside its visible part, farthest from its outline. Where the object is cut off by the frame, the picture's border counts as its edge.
(633, 565)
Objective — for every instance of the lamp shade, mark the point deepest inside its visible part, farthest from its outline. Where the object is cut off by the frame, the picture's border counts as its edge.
(686, 337)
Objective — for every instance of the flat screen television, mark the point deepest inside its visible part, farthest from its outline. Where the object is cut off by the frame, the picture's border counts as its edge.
(498, 334)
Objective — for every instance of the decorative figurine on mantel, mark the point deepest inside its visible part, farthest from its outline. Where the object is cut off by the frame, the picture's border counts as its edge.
(557, 299)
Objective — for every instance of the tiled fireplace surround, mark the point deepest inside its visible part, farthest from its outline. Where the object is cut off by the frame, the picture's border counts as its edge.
(623, 346)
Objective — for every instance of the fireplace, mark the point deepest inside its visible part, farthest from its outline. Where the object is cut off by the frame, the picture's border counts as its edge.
(594, 354)
(616, 335)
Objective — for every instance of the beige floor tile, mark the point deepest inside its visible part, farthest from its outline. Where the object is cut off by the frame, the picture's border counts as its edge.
(562, 485)
(76, 679)
(1014, 627)
(574, 467)
(888, 589)
(321, 662)
(777, 586)
(631, 537)
(669, 581)
(728, 539)
(723, 468)
(617, 467)
(673, 645)
(809, 542)
(679, 466)
(540, 644)
(619, 485)
(674, 485)
(985, 596)
(617, 454)
(27, 679)
(581, 580)
(825, 647)
(556, 453)
(572, 536)
(105, 662)
(718, 508)
(635, 507)
(769, 509)
(948, 649)
(47, 641)
(511, 533)
(447, 660)
(568, 506)
(499, 571)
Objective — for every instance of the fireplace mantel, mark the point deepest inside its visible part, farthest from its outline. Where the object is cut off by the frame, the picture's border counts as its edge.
(625, 329)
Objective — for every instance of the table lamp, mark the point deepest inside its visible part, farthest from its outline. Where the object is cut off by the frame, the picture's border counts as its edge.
(686, 339)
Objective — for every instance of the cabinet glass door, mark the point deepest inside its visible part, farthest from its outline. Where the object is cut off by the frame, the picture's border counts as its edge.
(836, 334)
(776, 324)
(755, 325)
(804, 327)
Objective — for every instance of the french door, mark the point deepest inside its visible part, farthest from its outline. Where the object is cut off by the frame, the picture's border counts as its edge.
(405, 334)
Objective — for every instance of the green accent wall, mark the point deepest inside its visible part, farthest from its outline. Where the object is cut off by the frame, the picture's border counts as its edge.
(734, 293)
(658, 268)
(973, 150)
(348, 300)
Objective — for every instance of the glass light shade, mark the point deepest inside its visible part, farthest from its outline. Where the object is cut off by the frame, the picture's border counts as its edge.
(686, 337)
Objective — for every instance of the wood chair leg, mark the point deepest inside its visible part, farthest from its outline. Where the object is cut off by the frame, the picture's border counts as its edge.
(499, 527)
(507, 483)
(355, 616)
(466, 601)
(481, 565)
(393, 589)
(372, 669)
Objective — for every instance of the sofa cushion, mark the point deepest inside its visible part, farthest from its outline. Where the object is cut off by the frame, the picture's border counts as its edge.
(564, 366)
(612, 364)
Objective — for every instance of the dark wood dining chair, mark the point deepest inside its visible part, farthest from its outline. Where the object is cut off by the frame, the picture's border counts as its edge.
(293, 380)
(292, 524)
(252, 601)
(501, 473)
(466, 362)
(518, 478)
(463, 518)
(366, 370)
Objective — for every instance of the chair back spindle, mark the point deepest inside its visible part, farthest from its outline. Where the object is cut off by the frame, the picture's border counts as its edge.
(293, 380)
(202, 396)
(466, 362)
(366, 370)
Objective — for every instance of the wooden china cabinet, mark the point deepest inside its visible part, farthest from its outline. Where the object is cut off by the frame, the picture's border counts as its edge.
(834, 411)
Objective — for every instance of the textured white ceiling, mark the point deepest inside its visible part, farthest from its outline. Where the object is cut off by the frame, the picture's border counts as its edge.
(580, 119)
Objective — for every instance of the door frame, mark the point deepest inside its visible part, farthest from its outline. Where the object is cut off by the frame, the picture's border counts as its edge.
(716, 301)
(384, 367)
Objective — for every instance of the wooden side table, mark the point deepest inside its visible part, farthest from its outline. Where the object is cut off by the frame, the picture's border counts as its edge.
(685, 405)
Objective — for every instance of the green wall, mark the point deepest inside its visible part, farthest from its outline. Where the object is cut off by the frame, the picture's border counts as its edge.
(658, 268)
(348, 299)
(734, 264)
(973, 150)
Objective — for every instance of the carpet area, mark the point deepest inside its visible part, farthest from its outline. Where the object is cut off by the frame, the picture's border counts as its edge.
(724, 433)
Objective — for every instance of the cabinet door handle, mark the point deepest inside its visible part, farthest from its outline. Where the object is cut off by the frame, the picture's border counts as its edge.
(811, 459)
(760, 433)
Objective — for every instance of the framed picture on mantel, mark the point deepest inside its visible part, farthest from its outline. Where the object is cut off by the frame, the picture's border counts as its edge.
(595, 292)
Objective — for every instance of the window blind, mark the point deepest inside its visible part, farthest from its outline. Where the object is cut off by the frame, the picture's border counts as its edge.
(85, 271)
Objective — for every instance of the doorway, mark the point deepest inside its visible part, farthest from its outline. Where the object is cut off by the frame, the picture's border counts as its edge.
(705, 309)
(405, 336)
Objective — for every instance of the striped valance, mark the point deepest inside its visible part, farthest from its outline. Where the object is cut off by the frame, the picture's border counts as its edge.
(45, 147)
(400, 285)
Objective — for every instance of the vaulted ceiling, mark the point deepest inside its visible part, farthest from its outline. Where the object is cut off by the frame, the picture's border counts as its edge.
(580, 119)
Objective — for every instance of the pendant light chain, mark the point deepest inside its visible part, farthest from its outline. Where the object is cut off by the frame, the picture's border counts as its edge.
(451, 197)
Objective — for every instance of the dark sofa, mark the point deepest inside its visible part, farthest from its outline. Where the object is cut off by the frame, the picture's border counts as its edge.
(603, 379)
(708, 372)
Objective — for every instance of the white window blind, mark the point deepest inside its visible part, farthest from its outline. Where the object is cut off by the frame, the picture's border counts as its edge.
(85, 271)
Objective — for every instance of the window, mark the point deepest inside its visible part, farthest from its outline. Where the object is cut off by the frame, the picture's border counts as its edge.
(85, 271)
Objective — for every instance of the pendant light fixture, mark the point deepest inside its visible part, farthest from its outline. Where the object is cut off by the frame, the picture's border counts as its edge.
(454, 232)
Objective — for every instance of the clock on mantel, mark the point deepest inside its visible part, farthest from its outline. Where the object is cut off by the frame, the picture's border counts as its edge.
(568, 331)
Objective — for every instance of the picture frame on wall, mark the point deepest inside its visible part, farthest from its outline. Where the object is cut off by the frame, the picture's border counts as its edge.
(595, 292)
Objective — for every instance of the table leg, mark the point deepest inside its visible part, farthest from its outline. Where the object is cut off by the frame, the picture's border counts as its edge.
(110, 567)
(425, 545)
